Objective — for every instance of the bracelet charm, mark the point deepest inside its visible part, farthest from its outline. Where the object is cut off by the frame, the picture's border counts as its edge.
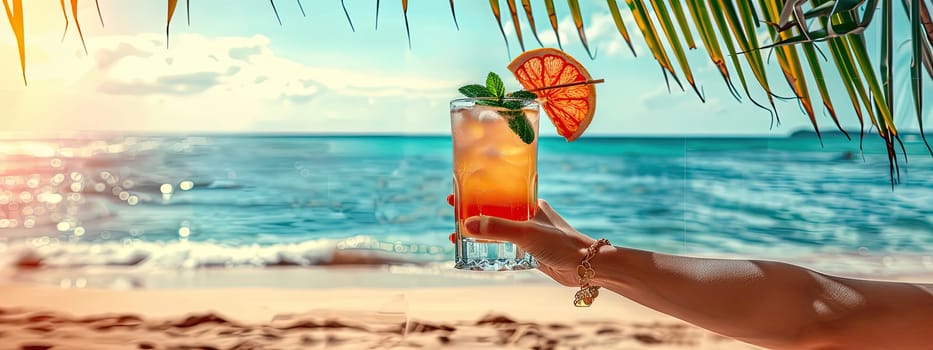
(587, 293)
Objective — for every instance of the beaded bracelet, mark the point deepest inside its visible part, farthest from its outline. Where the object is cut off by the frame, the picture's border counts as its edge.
(587, 293)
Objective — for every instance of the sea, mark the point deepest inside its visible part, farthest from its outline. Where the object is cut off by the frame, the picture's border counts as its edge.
(202, 202)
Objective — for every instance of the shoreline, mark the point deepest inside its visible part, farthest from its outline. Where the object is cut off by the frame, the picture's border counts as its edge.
(367, 269)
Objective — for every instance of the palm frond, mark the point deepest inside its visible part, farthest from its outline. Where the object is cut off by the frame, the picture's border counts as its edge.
(667, 25)
(642, 19)
(711, 43)
(64, 14)
(789, 62)
(552, 17)
(578, 22)
(405, 15)
(168, 18)
(277, 18)
(453, 12)
(526, 4)
(513, 11)
(74, 17)
(15, 14)
(620, 25)
(494, 6)
(347, 14)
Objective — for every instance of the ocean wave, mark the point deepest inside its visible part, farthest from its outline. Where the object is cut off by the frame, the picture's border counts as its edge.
(360, 250)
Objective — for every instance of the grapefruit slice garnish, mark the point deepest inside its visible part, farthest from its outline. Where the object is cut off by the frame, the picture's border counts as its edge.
(564, 88)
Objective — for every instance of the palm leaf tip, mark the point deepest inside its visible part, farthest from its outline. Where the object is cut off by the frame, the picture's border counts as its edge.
(578, 22)
(74, 17)
(513, 11)
(620, 24)
(65, 15)
(453, 13)
(526, 4)
(15, 15)
(168, 19)
(919, 48)
(277, 18)
(405, 14)
(347, 14)
(552, 17)
(494, 6)
(99, 15)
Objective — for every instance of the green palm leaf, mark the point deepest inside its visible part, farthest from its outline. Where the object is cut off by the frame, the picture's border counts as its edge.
(919, 49)
(682, 21)
(578, 22)
(753, 59)
(640, 13)
(711, 43)
(674, 41)
(809, 52)
(723, 28)
(620, 25)
(790, 66)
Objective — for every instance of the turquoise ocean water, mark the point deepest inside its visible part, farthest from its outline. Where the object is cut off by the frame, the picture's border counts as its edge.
(182, 202)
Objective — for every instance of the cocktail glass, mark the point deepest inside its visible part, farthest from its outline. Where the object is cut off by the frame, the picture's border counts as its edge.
(495, 174)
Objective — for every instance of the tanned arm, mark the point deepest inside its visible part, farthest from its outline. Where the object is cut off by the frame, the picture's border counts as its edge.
(773, 304)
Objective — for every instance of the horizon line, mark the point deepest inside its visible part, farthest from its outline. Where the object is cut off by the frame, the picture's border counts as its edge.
(57, 134)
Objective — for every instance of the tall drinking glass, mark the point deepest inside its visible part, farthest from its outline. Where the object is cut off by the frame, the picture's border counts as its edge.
(495, 174)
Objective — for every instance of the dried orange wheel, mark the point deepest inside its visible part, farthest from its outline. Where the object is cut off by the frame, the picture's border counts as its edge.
(543, 71)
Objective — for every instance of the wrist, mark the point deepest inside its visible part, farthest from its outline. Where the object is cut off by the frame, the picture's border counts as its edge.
(610, 267)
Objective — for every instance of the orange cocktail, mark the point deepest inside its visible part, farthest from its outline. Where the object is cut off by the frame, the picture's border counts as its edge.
(495, 174)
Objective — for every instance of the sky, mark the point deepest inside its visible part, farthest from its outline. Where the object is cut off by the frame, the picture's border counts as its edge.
(235, 69)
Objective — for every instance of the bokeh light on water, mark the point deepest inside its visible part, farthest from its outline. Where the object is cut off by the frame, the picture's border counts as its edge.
(228, 201)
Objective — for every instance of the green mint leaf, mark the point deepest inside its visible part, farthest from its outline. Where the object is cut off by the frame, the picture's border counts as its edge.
(519, 124)
(474, 90)
(491, 103)
(495, 85)
(512, 105)
(524, 94)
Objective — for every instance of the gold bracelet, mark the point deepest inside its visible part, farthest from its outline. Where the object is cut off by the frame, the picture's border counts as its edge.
(587, 293)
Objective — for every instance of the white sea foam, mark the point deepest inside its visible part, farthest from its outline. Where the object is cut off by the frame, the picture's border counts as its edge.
(35, 253)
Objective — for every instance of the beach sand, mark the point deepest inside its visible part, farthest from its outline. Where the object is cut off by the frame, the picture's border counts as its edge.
(517, 314)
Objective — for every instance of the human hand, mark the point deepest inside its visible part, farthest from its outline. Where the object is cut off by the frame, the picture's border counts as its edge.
(558, 247)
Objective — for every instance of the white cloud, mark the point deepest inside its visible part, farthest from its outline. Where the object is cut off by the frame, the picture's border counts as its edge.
(219, 84)
(601, 34)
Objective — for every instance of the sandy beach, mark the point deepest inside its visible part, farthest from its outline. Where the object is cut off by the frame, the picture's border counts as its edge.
(518, 314)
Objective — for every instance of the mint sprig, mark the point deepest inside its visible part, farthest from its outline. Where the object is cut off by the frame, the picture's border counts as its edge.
(496, 88)
(474, 91)
(495, 85)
